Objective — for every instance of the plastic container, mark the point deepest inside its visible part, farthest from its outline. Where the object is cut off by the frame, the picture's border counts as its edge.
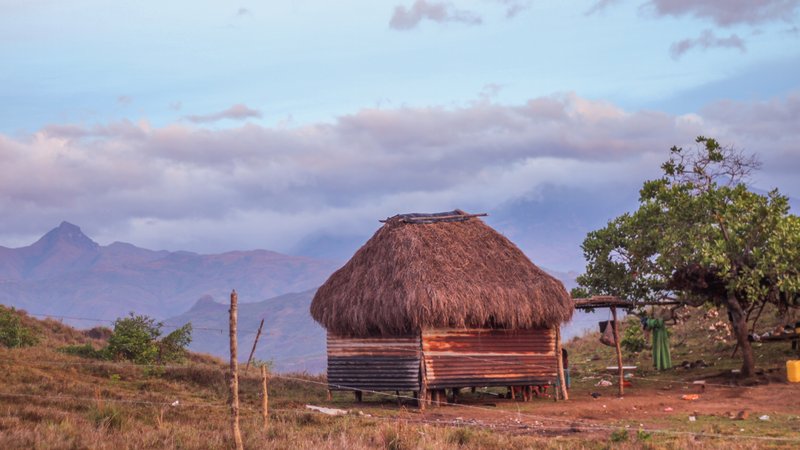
(793, 371)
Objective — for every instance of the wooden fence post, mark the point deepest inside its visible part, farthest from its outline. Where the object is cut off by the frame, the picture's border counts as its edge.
(424, 396)
(560, 364)
(619, 351)
(250, 358)
(265, 397)
(234, 375)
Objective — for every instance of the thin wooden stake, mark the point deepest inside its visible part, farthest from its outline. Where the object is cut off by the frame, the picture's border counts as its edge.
(560, 364)
(264, 397)
(250, 358)
(424, 395)
(234, 375)
(619, 350)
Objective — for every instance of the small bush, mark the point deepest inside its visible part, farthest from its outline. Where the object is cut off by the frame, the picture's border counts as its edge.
(173, 346)
(12, 333)
(633, 338)
(620, 435)
(135, 338)
(102, 333)
(84, 351)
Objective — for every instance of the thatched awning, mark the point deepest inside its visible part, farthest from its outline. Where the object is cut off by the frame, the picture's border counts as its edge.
(439, 271)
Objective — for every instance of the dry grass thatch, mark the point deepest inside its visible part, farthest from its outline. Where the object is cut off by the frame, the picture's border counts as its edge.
(462, 274)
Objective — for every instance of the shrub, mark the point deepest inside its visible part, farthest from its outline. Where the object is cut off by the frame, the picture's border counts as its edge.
(12, 333)
(633, 338)
(84, 351)
(173, 346)
(135, 338)
(99, 333)
(620, 435)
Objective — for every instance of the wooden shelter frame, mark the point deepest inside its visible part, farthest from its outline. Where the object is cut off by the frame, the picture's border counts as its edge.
(611, 302)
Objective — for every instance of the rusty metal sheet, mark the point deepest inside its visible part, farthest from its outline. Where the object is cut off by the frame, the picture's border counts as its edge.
(378, 364)
(461, 358)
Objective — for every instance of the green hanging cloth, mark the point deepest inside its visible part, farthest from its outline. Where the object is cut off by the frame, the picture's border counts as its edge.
(661, 357)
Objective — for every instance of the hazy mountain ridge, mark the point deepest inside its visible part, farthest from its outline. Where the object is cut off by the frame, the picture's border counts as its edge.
(67, 273)
(290, 338)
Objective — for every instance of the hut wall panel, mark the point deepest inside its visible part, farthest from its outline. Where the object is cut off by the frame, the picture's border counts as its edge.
(378, 364)
(461, 358)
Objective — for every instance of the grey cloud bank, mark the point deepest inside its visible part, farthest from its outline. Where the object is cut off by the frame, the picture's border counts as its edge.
(407, 18)
(235, 112)
(705, 41)
(188, 187)
(728, 12)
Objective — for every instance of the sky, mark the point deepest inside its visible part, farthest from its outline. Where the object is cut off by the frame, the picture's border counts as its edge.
(294, 126)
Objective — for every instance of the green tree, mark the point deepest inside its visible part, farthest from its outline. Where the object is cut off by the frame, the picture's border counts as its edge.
(700, 236)
(173, 346)
(135, 338)
(12, 333)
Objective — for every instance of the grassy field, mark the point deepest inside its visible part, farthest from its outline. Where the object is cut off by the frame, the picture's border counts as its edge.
(52, 400)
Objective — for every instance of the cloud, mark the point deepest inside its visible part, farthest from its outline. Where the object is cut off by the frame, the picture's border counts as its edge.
(183, 186)
(514, 7)
(706, 40)
(600, 5)
(235, 112)
(408, 18)
(728, 12)
(722, 12)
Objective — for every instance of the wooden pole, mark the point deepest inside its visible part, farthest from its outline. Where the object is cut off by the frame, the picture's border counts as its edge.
(424, 395)
(264, 397)
(560, 364)
(234, 375)
(619, 350)
(250, 358)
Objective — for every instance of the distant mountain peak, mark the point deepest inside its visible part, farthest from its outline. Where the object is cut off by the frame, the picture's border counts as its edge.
(70, 233)
(68, 226)
(205, 303)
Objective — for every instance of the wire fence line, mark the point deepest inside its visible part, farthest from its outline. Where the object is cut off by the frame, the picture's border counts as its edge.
(98, 320)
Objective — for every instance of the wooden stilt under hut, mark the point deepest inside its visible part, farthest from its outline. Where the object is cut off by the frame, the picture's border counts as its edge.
(440, 301)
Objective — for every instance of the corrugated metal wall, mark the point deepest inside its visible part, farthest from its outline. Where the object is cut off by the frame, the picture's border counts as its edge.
(462, 358)
(378, 364)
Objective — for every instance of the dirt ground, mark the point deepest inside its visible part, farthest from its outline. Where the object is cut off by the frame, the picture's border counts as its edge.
(653, 406)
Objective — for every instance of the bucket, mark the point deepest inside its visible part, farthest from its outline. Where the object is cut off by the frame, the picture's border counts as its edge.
(793, 371)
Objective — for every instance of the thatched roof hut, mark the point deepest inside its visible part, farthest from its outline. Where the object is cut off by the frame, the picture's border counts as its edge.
(445, 270)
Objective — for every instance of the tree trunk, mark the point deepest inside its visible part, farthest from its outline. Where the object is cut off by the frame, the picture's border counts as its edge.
(739, 324)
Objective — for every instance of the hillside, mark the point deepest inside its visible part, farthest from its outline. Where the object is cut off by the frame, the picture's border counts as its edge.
(66, 273)
(52, 400)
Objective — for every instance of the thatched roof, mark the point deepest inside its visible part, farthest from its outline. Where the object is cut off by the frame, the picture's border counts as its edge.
(443, 270)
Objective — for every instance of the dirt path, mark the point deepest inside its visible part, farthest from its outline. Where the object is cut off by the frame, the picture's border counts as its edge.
(651, 407)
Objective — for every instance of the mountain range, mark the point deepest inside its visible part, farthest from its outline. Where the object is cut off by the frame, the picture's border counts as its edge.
(68, 275)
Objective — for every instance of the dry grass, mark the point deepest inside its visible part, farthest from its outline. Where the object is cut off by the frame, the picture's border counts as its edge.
(446, 274)
(62, 401)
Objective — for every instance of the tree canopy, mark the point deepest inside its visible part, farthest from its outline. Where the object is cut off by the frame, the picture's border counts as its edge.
(700, 235)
